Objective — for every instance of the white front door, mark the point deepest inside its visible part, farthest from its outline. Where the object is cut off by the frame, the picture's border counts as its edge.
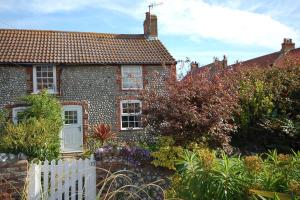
(72, 134)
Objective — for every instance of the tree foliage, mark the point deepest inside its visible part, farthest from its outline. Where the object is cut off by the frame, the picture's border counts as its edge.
(198, 108)
(269, 101)
(37, 133)
(211, 107)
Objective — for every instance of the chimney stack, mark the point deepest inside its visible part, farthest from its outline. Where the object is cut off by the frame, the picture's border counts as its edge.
(224, 61)
(287, 45)
(150, 26)
(194, 66)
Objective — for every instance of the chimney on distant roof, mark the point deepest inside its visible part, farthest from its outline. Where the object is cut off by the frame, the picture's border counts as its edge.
(194, 66)
(150, 26)
(287, 45)
(224, 61)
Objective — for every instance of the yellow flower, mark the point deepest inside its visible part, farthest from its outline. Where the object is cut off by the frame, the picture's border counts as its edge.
(284, 159)
(207, 158)
(294, 186)
(253, 163)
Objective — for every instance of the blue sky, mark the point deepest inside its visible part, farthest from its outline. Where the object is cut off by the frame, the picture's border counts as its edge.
(198, 29)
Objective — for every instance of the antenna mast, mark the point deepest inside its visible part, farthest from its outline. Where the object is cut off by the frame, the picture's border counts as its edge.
(151, 7)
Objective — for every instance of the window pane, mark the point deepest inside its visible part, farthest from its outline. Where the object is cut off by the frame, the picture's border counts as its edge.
(125, 108)
(124, 118)
(131, 108)
(131, 118)
(137, 124)
(124, 124)
(131, 124)
(137, 107)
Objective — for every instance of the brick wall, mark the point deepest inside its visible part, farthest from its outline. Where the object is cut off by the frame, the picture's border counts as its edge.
(13, 176)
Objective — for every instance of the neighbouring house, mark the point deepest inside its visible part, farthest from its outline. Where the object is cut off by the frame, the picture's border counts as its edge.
(96, 76)
(287, 55)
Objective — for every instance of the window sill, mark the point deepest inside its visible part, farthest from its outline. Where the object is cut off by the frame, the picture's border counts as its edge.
(54, 93)
(131, 129)
(128, 89)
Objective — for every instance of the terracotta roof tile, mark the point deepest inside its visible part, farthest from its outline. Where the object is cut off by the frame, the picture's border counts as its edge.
(38, 46)
(262, 61)
(291, 57)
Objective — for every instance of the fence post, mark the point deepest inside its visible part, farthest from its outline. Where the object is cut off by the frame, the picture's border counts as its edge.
(34, 185)
(79, 177)
(93, 177)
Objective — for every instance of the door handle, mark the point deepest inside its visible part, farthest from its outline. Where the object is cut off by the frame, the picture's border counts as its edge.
(79, 128)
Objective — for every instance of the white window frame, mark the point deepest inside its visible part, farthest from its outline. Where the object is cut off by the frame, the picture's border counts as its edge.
(122, 75)
(15, 112)
(128, 114)
(35, 89)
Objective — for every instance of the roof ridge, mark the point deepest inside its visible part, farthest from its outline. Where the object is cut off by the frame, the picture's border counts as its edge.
(76, 32)
(18, 45)
(261, 56)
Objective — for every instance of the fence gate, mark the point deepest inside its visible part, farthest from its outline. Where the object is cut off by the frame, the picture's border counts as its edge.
(63, 180)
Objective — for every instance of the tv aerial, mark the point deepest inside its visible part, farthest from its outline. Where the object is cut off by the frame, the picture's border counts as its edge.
(153, 5)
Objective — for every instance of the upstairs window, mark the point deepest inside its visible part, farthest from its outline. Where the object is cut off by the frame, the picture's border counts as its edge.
(131, 114)
(132, 77)
(44, 77)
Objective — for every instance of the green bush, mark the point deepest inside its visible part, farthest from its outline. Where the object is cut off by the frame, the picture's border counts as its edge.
(37, 133)
(269, 114)
(167, 153)
(3, 121)
(200, 175)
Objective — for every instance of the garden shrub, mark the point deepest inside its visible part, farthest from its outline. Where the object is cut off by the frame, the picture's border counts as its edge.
(246, 107)
(102, 134)
(233, 177)
(197, 108)
(3, 120)
(167, 153)
(37, 133)
(269, 107)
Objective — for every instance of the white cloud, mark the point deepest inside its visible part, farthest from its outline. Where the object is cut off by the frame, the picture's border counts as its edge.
(223, 21)
(199, 19)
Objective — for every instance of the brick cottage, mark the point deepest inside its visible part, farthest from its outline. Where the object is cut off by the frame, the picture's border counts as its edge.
(96, 76)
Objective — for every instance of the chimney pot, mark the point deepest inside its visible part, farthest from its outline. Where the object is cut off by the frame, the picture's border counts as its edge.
(224, 61)
(287, 45)
(194, 65)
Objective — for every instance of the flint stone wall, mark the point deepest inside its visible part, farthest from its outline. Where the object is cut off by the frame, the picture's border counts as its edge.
(13, 84)
(100, 86)
(141, 174)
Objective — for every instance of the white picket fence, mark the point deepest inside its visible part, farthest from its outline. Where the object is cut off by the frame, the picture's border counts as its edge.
(63, 180)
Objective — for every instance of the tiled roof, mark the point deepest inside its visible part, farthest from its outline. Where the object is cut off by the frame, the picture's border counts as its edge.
(277, 58)
(38, 46)
(262, 61)
(291, 57)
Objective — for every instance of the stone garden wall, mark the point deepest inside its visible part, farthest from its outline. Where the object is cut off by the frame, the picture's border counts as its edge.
(13, 175)
(136, 164)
